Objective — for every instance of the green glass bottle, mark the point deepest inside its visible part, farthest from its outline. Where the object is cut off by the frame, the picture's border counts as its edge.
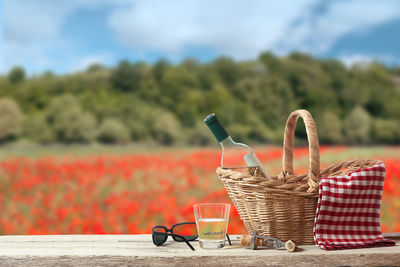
(234, 155)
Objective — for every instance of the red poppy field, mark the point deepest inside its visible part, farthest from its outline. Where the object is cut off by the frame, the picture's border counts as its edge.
(129, 194)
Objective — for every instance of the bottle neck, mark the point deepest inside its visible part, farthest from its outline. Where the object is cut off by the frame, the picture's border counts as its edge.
(216, 128)
(227, 141)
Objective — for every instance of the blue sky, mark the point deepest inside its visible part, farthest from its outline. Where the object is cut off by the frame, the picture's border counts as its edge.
(67, 36)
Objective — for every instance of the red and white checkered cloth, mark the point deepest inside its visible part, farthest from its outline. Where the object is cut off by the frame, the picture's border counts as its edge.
(348, 210)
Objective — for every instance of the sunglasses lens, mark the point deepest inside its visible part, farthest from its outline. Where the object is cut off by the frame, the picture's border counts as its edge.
(188, 231)
(159, 236)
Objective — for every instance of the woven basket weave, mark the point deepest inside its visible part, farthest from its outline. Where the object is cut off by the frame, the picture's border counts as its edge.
(284, 206)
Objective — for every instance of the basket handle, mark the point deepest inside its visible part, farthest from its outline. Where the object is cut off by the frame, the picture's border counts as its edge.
(313, 146)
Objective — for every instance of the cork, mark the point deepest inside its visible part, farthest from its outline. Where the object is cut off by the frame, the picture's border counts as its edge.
(246, 240)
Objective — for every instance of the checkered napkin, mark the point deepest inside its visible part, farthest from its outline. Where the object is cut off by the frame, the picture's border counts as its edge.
(348, 208)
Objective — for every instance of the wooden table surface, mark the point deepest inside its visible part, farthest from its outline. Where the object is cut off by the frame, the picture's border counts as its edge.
(138, 250)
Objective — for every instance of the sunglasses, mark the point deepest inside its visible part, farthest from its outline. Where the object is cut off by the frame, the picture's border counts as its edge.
(180, 232)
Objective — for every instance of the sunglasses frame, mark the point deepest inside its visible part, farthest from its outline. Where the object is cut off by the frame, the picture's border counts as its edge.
(170, 232)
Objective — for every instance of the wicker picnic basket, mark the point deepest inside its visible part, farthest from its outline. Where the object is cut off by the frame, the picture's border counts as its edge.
(284, 206)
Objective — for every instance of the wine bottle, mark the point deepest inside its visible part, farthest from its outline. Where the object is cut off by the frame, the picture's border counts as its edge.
(234, 155)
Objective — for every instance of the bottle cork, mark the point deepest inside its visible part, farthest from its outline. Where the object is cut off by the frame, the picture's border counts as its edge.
(290, 246)
(245, 240)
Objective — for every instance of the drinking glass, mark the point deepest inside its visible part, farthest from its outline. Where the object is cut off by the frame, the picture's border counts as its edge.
(212, 223)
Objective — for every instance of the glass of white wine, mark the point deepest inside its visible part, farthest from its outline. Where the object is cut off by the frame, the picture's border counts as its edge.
(212, 223)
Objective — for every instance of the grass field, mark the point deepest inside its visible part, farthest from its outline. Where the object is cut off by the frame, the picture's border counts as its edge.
(128, 189)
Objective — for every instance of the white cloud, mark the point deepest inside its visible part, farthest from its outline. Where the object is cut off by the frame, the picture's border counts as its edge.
(317, 33)
(351, 59)
(85, 62)
(242, 29)
(31, 29)
(29, 22)
(245, 28)
(32, 32)
(238, 28)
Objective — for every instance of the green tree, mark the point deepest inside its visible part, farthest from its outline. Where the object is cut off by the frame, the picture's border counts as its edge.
(60, 104)
(357, 126)
(128, 77)
(252, 97)
(329, 128)
(95, 67)
(16, 75)
(69, 122)
(36, 128)
(217, 98)
(137, 117)
(189, 109)
(73, 125)
(113, 131)
(386, 131)
(191, 64)
(272, 62)
(337, 73)
(166, 128)
(199, 135)
(159, 69)
(10, 119)
(227, 70)
(174, 86)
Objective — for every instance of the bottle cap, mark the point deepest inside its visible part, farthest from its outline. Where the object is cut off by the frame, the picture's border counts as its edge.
(210, 119)
(216, 128)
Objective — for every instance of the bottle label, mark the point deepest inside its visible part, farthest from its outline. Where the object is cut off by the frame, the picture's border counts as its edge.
(251, 160)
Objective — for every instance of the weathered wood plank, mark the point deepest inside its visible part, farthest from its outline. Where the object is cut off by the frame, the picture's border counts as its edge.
(138, 250)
